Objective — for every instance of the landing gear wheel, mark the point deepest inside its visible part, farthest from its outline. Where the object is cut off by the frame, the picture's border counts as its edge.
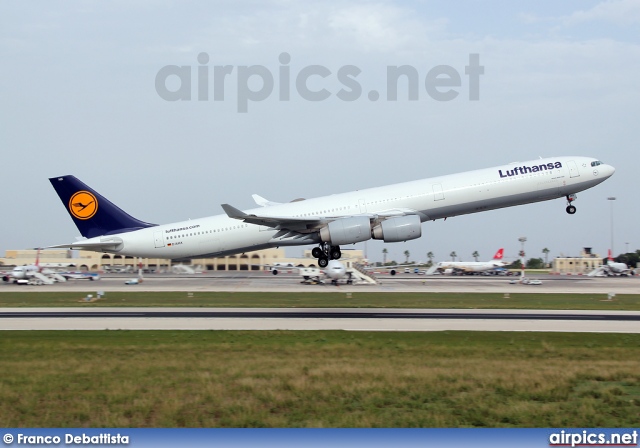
(571, 208)
(326, 251)
(323, 262)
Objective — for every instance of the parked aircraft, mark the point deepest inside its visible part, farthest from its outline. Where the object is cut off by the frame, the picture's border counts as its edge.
(611, 269)
(392, 213)
(469, 267)
(335, 272)
(38, 273)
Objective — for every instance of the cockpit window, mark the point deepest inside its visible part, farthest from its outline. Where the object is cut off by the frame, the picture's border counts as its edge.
(596, 163)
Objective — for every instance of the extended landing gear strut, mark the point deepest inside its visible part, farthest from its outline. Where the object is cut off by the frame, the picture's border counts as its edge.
(571, 209)
(326, 252)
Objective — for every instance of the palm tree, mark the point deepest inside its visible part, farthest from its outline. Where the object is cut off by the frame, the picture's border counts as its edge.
(406, 254)
(453, 255)
(430, 257)
(475, 255)
(384, 256)
(546, 251)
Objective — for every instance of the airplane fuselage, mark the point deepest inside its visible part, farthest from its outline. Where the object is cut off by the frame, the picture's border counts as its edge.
(429, 199)
(471, 266)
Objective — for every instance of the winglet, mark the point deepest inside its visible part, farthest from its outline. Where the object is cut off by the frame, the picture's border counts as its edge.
(262, 202)
(233, 212)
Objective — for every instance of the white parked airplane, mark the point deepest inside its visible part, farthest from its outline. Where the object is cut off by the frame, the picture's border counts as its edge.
(469, 266)
(392, 213)
(334, 271)
(618, 268)
(22, 274)
(612, 269)
(41, 271)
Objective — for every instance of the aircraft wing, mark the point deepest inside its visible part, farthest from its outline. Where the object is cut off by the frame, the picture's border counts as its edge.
(301, 225)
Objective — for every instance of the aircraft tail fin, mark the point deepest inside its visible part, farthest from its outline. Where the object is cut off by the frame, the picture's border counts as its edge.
(93, 214)
(499, 254)
(610, 257)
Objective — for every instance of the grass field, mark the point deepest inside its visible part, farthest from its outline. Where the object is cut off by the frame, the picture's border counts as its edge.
(318, 379)
(317, 299)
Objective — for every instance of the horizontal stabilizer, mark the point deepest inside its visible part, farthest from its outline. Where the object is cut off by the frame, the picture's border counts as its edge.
(110, 243)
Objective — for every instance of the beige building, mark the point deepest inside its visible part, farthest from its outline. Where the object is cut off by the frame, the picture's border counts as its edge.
(98, 262)
(583, 264)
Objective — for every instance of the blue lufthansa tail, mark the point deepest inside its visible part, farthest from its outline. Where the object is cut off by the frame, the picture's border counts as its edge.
(93, 214)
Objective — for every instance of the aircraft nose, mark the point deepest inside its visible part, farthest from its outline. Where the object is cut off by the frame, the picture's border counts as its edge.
(609, 170)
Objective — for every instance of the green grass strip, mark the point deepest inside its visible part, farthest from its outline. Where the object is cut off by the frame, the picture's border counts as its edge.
(589, 301)
(318, 379)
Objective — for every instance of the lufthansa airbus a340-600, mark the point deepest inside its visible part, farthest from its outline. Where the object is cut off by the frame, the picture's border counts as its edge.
(392, 213)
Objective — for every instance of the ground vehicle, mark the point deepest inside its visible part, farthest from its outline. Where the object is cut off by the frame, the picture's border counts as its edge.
(525, 281)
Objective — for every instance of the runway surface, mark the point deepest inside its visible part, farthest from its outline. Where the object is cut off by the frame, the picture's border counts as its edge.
(325, 318)
(318, 319)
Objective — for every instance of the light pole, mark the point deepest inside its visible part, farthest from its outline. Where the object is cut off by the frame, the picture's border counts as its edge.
(522, 240)
(611, 198)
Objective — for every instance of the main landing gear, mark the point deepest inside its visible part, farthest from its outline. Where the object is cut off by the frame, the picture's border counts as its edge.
(571, 209)
(326, 252)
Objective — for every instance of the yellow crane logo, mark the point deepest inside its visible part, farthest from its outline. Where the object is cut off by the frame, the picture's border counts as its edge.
(83, 205)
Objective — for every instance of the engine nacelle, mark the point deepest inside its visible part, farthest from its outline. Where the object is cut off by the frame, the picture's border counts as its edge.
(398, 229)
(347, 231)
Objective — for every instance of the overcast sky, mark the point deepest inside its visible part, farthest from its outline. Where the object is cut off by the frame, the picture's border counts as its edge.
(78, 96)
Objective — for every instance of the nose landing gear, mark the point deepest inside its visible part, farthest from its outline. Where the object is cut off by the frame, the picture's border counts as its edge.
(571, 209)
(326, 252)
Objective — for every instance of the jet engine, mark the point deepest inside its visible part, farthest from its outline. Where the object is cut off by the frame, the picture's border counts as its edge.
(346, 231)
(395, 230)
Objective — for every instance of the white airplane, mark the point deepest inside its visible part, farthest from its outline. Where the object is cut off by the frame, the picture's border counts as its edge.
(334, 271)
(468, 267)
(617, 268)
(612, 269)
(22, 274)
(392, 213)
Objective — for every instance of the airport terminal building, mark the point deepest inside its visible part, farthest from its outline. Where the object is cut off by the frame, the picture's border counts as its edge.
(582, 265)
(90, 261)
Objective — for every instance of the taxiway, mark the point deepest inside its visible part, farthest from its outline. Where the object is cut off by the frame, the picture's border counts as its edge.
(260, 281)
(327, 318)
